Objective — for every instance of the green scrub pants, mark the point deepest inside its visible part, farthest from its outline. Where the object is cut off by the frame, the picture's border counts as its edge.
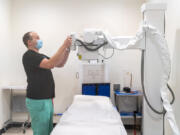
(41, 113)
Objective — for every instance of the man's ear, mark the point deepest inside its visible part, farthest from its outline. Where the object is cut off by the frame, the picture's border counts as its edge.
(29, 43)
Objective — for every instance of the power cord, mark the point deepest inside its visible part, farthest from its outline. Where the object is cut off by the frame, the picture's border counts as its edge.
(107, 57)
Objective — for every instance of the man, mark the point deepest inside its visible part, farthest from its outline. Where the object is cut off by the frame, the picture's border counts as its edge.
(40, 88)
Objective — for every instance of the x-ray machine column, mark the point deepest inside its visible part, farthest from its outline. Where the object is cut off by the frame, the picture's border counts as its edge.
(153, 14)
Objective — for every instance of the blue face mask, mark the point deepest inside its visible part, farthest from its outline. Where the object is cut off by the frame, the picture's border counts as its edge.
(39, 44)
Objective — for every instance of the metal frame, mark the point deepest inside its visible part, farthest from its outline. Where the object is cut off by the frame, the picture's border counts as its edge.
(26, 123)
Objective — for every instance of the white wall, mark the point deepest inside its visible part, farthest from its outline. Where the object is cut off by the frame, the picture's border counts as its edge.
(5, 56)
(54, 20)
(173, 39)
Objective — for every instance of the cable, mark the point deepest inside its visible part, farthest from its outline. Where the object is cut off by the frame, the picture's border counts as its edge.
(164, 123)
(107, 57)
(91, 49)
(163, 112)
(143, 88)
(145, 96)
(172, 93)
(142, 81)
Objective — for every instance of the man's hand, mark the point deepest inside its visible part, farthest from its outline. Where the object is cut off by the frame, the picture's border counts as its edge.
(68, 42)
(60, 57)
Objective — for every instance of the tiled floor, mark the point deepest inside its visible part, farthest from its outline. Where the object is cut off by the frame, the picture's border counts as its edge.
(19, 131)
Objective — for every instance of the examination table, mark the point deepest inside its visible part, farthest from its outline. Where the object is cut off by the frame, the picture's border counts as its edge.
(90, 115)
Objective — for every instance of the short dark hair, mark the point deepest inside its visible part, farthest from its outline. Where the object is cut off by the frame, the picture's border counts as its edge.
(27, 37)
